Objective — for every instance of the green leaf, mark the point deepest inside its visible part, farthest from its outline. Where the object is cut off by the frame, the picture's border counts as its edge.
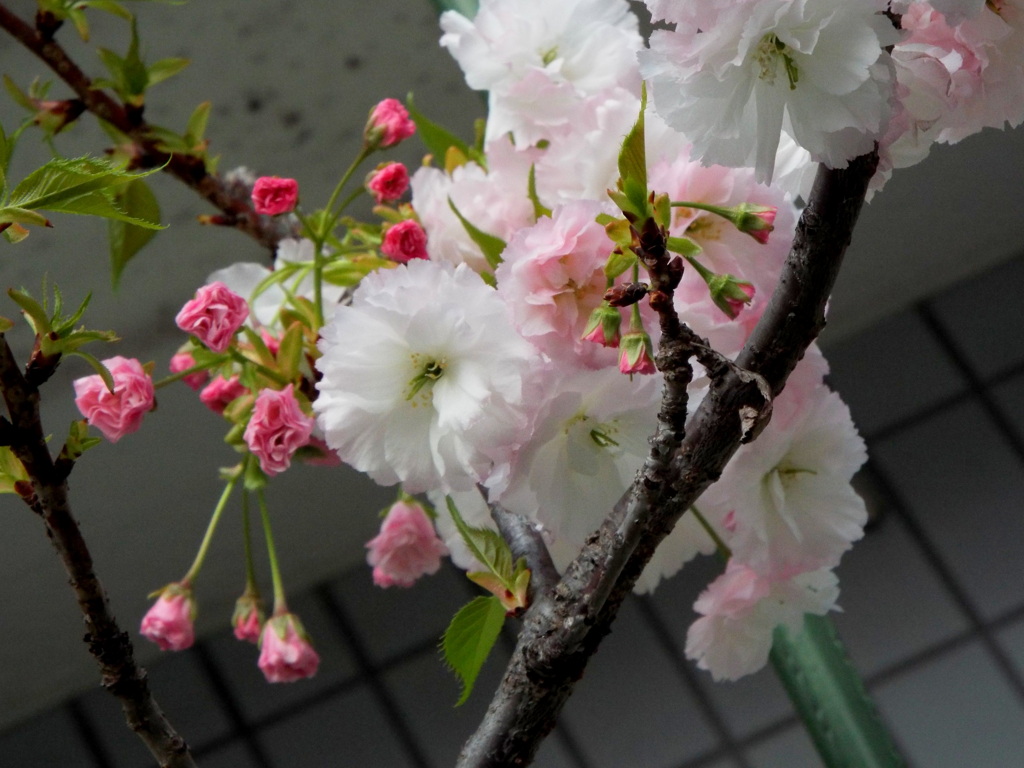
(437, 139)
(490, 245)
(289, 353)
(127, 239)
(196, 128)
(11, 470)
(78, 441)
(633, 155)
(487, 546)
(469, 638)
(97, 366)
(831, 699)
(82, 185)
(34, 311)
(161, 70)
(684, 246)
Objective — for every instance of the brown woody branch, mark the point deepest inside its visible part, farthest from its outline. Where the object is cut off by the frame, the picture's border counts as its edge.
(563, 629)
(48, 497)
(236, 208)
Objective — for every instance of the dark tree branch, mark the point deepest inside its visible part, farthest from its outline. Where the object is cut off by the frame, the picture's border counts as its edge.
(234, 204)
(48, 497)
(561, 632)
(525, 541)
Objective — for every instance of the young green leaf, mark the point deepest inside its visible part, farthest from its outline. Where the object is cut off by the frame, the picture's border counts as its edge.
(491, 246)
(486, 545)
(11, 470)
(78, 441)
(436, 138)
(469, 638)
(126, 239)
(633, 155)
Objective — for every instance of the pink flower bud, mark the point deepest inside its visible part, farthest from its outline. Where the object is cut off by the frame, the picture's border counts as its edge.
(388, 182)
(278, 426)
(272, 195)
(389, 124)
(405, 241)
(182, 361)
(636, 353)
(248, 618)
(286, 654)
(603, 326)
(758, 221)
(406, 548)
(729, 294)
(219, 393)
(273, 342)
(213, 316)
(169, 622)
(120, 412)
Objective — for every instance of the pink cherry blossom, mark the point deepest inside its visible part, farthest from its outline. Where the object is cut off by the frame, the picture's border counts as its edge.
(277, 428)
(286, 654)
(388, 182)
(405, 241)
(120, 412)
(272, 195)
(406, 547)
(552, 276)
(741, 609)
(169, 622)
(219, 393)
(389, 124)
(182, 361)
(213, 316)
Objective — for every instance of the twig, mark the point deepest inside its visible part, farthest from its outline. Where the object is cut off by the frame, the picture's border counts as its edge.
(48, 497)
(190, 169)
(561, 633)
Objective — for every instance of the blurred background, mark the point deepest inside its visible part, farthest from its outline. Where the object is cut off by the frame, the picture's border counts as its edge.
(925, 344)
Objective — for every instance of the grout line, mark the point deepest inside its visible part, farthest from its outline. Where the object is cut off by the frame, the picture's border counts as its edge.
(229, 705)
(918, 417)
(380, 692)
(87, 732)
(956, 356)
(663, 636)
(948, 580)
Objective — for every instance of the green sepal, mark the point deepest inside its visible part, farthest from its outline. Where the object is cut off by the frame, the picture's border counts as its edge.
(126, 239)
(264, 356)
(253, 479)
(78, 441)
(439, 140)
(491, 246)
(830, 698)
(468, 641)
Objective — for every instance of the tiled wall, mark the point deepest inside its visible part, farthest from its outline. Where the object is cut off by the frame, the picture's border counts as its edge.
(933, 599)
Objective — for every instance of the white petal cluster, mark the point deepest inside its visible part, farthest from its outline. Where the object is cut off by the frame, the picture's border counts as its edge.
(424, 379)
(741, 610)
(736, 74)
(538, 58)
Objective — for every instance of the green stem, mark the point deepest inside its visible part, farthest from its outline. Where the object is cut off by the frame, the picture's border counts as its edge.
(273, 375)
(250, 569)
(724, 553)
(181, 375)
(280, 604)
(214, 520)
